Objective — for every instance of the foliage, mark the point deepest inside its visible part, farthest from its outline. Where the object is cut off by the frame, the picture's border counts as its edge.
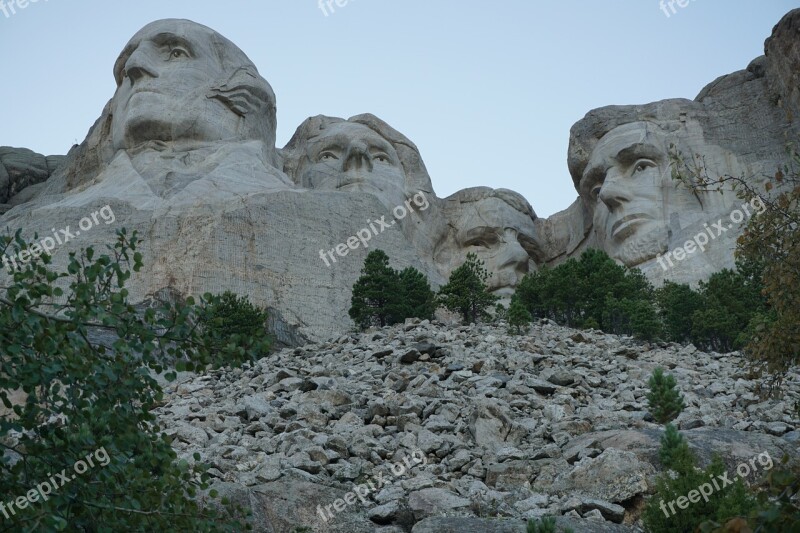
(729, 303)
(466, 292)
(383, 296)
(518, 316)
(664, 400)
(545, 524)
(232, 318)
(674, 452)
(417, 299)
(84, 395)
(768, 256)
(593, 292)
(375, 294)
(677, 304)
(729, 501)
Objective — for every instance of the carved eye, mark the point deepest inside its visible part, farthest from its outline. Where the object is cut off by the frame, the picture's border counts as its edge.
(595, 192)
(327, 156)
(484, 241)
(176, 53)
(383, 158)
(642, 165)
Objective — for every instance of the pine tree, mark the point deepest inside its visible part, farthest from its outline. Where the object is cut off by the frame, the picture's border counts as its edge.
(375, 300)
(518, 316)
(665, 402)
(466, 292)
(674, 452)
(417, 298)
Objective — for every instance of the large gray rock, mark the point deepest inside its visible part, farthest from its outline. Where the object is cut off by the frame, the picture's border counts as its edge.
(624, 162)
(21, 173)
(492, 525)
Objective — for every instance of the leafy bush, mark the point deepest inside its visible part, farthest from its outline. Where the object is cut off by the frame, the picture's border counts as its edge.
(83, 396)
(664, 400)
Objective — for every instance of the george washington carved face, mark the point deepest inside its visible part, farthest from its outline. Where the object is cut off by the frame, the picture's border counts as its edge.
(179, 81)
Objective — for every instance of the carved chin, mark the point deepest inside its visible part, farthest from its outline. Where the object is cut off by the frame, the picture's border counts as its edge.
(136, 131)
(640, 248)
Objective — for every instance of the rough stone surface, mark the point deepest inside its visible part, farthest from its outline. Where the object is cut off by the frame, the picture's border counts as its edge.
(191, 164)
(454, 449)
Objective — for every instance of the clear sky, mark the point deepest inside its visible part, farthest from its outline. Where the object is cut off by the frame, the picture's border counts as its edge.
(487, 90)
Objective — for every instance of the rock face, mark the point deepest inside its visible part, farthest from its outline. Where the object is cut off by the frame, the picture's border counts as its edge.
(490, 425)
(184, 153)
(21, 173)
(631, 164)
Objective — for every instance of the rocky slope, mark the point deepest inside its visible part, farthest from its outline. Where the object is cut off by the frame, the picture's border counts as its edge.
(441, 428)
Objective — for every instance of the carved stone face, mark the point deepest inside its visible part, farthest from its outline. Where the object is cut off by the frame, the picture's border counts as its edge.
(501, 236)
(352, 157)
(626, 182)
(166, 77)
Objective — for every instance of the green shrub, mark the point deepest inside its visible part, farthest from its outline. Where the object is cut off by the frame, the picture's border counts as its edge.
(664, 400)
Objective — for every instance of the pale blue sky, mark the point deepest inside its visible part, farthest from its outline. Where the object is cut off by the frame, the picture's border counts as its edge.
(487, 90)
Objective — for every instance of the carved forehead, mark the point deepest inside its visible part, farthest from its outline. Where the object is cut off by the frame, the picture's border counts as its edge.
(345, 132)
(642, 136)
(203, 41)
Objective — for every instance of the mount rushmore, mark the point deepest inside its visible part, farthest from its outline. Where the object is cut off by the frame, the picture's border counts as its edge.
(184, 153)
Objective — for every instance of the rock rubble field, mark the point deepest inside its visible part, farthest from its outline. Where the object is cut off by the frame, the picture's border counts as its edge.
(431, 428)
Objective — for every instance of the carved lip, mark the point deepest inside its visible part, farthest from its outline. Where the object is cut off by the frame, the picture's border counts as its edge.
(628, 221)
(141, 90)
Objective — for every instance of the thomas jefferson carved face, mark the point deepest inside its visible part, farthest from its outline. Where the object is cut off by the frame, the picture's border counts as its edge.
(180, 81)
(627, 182)
(352, 157)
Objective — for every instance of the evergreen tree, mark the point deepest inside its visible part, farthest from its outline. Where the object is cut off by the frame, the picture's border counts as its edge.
(518, 316)
(417, 300)
(674, 452)
(376, 294)
(466, 292)
(729, 304)
(664, 400)
(593, 292)
(232, 318)
(677, 304)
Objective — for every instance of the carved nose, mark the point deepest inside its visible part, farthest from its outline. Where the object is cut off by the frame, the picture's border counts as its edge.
(357, 156)
(139, 66)
(613, 193)
(513, 255)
